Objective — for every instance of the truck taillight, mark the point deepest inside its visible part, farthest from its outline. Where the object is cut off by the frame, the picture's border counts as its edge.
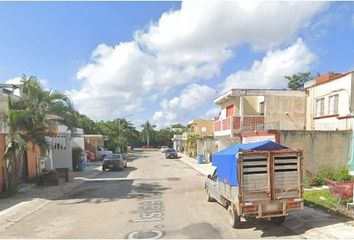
(249, 209)
(296, 200)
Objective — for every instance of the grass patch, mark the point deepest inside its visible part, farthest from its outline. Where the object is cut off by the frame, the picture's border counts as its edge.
(8, 194)
(314, 198)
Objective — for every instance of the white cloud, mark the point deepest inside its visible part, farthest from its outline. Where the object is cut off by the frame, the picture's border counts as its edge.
(16, 80)
(212, 113)
(270, 71)
(182, 48)
(179, 108)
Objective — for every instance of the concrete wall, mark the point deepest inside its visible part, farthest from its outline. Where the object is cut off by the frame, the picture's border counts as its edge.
(289, 111)
(329, 148)
(2, 163)
(33, 153)
(251, 105)
(206, 146)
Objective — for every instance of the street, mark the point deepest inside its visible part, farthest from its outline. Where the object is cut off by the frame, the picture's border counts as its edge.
(153, 197)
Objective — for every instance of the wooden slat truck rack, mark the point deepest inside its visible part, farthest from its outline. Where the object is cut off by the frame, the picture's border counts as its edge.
(268, 182)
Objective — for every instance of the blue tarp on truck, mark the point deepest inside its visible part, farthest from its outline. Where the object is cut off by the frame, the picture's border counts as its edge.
(226, 163)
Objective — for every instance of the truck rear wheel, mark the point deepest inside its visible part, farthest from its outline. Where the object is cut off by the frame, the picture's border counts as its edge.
(235, 219)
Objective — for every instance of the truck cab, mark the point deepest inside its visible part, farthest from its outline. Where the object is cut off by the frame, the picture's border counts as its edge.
(101, 152)
(212, 187)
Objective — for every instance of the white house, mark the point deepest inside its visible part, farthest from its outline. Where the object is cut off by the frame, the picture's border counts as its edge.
(330, 102)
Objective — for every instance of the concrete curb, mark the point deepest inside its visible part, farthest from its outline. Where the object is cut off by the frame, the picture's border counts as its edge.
(16, 213)
(201, 171)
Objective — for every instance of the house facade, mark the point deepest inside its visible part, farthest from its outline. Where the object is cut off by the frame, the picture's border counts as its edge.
(245, 112)
(330, 102)
(201, 127)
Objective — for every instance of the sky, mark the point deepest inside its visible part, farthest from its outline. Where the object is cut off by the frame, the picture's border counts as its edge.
(167, 61)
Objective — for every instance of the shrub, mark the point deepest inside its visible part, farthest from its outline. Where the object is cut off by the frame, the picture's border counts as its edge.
(76, 152)
(342, 174)
(324, 173)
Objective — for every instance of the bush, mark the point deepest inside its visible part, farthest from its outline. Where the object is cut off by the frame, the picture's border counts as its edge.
(342, 174)
(324, 173)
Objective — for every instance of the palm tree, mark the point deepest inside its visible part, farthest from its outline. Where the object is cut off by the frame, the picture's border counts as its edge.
(148, 129)
(30, 119)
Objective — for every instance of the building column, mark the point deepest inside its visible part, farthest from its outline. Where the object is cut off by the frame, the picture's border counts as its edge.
(351, 160)
(241, 111)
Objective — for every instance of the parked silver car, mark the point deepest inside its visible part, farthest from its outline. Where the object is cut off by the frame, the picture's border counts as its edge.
(164, 148)
(114, 161)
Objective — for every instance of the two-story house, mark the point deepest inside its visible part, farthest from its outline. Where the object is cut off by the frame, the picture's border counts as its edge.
(246, 112)
(330, 102)
(203, 132)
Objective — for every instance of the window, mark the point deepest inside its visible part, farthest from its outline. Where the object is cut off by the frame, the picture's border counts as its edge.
(319, 107)
(261, 108)
(333, 104)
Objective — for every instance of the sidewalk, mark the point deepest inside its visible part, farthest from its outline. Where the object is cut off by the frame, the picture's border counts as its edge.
(31, 198)
(204, 169)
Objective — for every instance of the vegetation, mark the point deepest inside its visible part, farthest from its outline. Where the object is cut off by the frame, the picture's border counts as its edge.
(296, 81)
(38, 111)
(321, 198)
(192, 145)
(30, 119)
(120, 132)
(147, 131)
(324, 173)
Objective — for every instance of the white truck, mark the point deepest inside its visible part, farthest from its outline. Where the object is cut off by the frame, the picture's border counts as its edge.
(261, 180)
(101, 153)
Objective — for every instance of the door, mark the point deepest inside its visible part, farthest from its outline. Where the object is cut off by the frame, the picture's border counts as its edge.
(213, 186)
(229, 111)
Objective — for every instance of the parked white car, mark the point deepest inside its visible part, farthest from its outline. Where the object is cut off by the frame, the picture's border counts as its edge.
(164, 148)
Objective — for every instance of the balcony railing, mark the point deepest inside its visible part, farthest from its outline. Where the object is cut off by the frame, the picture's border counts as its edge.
(239, 124)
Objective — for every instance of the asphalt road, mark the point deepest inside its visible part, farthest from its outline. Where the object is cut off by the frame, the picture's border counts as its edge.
(152, 198)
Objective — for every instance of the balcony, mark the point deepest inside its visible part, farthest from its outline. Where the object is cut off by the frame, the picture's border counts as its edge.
(231, 125)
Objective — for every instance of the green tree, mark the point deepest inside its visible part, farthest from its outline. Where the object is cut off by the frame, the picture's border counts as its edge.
(30, 119)
(147, 131)
(296, 81)
(87, 124)
(120, 132)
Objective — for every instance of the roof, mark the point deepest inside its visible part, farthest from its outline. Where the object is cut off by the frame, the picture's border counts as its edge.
(238, 92)
(314, 83)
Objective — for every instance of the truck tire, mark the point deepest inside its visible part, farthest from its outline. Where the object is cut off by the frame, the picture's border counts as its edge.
(209, 198)
(235, 219)
(278, 220)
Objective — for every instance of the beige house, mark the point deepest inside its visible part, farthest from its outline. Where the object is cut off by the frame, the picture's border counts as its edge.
(201, 127)
(330, 102)
(254, 110)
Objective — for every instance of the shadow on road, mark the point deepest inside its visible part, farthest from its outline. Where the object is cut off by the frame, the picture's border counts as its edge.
(297, 223)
